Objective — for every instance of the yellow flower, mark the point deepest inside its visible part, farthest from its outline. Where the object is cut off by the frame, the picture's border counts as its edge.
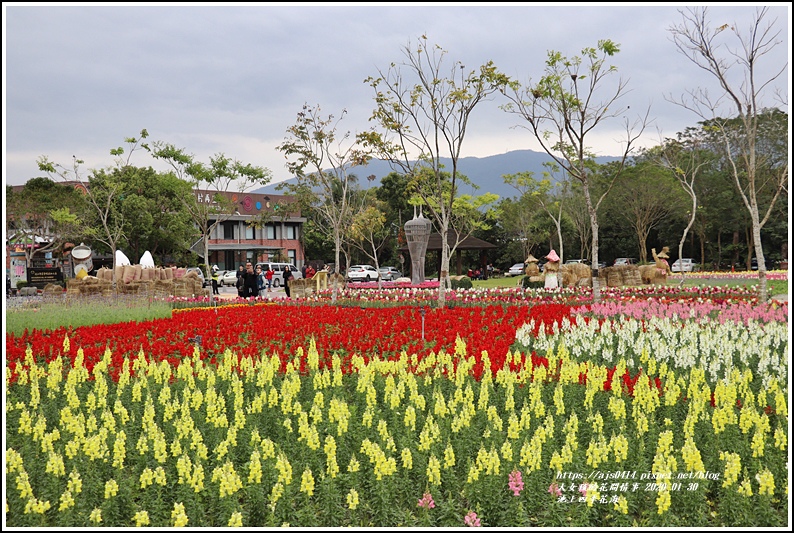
(766, 482)
(236, 520)
(352, 499)
(407, 458)
(96, 516)
(111, 489)
(745, 489)
(433, 471)
(622, 505)
(141, 518)
(67, 501)
(178, 515)
(307, 482)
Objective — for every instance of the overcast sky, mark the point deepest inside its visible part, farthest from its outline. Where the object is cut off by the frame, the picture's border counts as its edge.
(231, 78)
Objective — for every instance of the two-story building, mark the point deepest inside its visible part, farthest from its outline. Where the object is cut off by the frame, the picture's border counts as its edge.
(236, 240)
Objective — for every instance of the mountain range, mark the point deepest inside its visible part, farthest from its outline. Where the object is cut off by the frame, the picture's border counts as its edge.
(486, 172)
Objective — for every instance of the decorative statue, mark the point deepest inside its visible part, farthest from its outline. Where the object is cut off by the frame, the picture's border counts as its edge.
(551, 269)
(532, 269)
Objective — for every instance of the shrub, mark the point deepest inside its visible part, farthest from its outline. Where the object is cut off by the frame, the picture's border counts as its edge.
(460, 282)
(527, 284)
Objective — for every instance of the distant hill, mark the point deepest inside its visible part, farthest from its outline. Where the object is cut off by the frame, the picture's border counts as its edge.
(486, 172)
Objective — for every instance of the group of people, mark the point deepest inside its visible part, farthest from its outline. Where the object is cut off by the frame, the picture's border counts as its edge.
(484, 273)
(256, 282)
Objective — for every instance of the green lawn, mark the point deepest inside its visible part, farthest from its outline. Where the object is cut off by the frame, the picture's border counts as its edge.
(774, 287)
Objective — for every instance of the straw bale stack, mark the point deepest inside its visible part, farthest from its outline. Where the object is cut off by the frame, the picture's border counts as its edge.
(573, 273)
(51, 289)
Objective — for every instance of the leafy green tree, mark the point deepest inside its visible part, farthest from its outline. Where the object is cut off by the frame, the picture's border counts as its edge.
(102, 190)
(154, 214)
(423, 110)
(564, 107)
(652, 195)
(43, 211)
(742, 97)
(220, 176)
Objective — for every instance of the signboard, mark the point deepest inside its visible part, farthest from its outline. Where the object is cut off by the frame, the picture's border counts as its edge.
(39, 277)
(18, 269)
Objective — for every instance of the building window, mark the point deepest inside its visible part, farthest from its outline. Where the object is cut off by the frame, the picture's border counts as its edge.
(228, 230)
(289, 232)
(291, 256)
(271, 232)
(249, 232)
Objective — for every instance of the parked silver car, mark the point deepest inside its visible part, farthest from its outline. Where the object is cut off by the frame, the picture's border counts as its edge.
(389, 273)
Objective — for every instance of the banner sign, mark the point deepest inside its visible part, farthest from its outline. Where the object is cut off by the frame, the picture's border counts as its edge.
(39, 277)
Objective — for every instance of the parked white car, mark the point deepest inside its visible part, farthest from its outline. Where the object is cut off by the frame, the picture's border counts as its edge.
(685, 264)
(516, 270)
(362, 273)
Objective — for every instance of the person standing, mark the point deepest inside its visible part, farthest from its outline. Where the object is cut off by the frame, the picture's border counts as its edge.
(261, 282)
(250, 288)
(269, 278)
(215, 279)
(287, 278)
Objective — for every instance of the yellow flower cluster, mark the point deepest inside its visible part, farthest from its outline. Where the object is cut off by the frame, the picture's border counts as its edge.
(733, 467)
(111, 488)
(352, 499)
(178, 515)
(433, 471)
(766, 482)
(307, 482)
(141, 518)
(227, 478)
(236, 520)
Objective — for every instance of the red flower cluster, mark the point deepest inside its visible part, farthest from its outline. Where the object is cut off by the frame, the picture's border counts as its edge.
(251, 331)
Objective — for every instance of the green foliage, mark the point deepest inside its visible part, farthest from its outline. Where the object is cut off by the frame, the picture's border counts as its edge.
(460, 282)
(83, 311)
(527, 284)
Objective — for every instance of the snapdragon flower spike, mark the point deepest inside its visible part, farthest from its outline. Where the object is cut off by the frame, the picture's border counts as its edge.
(515, 482)
(427, 501)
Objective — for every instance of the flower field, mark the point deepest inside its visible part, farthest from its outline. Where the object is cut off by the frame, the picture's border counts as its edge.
(508, 409)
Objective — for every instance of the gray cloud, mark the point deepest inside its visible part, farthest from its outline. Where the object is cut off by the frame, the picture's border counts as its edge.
(79, 79)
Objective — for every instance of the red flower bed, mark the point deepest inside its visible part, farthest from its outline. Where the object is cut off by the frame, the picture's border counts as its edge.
(251, 331)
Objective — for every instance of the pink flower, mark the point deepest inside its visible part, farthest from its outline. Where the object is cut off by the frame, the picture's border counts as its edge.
(554, 490)
(583, 489)
(471, 519)
(515, 483)
(427, 501)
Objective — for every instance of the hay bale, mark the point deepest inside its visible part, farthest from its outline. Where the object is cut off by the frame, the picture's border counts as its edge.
(52, 289)
(631, 275)
(572, 273)
(614, 277)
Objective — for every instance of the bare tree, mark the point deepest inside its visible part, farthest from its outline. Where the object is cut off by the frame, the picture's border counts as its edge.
(322, 164)
(541, 192)
(685, 159)
(702, 43)
(425, 118)
(564, 107)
